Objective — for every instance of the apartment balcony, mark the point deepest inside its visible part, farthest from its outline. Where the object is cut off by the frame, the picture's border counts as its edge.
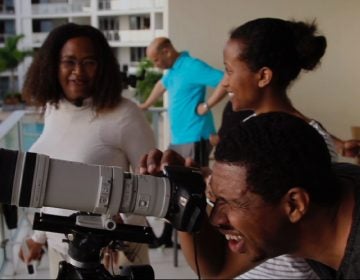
(78, 6)
(3, 37)
(39, 37)
(6, 9)
(132, 37)
(126, 5)
(7, 12)
(117, 37)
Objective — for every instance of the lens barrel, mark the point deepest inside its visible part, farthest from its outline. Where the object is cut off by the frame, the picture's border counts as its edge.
(8, 160)
(27, 179)
(34, 180)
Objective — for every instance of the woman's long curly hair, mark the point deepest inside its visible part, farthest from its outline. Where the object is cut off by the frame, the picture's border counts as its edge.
(42, 85)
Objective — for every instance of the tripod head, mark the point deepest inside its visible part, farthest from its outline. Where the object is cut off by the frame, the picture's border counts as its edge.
(85, 244)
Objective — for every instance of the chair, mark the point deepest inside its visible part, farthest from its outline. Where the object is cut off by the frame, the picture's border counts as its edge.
(355, 131)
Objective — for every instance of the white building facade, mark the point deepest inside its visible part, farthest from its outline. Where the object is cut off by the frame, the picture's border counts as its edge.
(129, 25)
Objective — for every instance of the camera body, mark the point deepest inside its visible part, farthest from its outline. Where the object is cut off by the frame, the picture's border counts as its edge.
(36, 180)
(130, 79)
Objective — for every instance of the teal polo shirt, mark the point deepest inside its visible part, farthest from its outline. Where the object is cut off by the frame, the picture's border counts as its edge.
(186, 82)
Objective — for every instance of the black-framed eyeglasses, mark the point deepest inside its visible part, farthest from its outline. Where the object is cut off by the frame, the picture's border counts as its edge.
(88, 63)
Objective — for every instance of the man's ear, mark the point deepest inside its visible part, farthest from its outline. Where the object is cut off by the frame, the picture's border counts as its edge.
(296, 204)
(265, 76)
(166, 51)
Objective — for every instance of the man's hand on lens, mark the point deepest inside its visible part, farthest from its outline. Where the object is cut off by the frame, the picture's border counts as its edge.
(154, 161)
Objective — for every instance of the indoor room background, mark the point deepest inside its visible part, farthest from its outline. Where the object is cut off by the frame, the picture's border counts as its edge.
(330, 94)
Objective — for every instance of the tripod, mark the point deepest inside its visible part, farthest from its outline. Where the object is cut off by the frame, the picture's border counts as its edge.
(86, 243)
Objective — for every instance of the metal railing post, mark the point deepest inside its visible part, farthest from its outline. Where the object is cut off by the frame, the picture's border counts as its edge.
(156, 116)
(19, 135)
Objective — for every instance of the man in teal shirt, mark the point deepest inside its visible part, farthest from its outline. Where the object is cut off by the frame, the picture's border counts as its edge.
(191, 121)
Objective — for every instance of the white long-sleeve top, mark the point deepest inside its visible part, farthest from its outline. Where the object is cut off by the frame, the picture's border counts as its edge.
(116, 138)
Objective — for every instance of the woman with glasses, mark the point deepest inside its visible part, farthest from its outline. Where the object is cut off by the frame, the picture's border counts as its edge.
(75, 77)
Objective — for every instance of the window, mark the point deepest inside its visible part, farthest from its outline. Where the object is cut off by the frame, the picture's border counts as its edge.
(104, 5)
(137, 53)
(139, 22)
(7, 6)
(46, 25)
(4, 87)
(7, 28)
(109, 23)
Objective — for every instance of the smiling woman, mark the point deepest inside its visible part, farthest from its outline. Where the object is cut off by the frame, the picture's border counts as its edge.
(93, 62)
(78, 69)
(75, 77)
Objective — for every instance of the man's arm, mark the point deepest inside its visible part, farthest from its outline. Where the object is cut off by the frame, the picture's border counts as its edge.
(155, 94)
(218, 94)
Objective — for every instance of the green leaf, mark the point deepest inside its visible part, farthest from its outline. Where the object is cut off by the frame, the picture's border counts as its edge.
(11, 57)
(145, 86)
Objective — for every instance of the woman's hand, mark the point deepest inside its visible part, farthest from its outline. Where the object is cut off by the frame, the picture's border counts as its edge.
(35, 251)
(110, 257)
(351, 148)
(347, 148)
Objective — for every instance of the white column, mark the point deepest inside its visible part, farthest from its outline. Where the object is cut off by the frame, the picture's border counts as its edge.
(23, 25)
(94, 13)
(166, 125)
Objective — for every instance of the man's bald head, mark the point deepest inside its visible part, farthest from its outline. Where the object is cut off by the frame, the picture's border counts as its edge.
(158, 44)
(162, 53)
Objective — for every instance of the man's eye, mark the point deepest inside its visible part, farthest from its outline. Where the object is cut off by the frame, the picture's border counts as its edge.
(239, 205)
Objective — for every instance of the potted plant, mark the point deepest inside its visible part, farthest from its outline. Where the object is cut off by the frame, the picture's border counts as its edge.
(145, 85)
(10, 58)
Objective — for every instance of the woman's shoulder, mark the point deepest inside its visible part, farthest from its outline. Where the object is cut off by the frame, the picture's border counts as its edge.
(126, 106)
(127, 109)
(128, 103)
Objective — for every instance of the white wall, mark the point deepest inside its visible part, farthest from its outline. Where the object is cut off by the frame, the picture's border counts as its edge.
(329, 94)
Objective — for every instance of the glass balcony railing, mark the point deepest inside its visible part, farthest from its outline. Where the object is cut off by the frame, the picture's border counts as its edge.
(17, 132)
(132, 36)
(84, 6)
(119, 36)
(20, 130)
(3, 37)
(7, 10)
(156, 116)
(78, 6)
(119, 5)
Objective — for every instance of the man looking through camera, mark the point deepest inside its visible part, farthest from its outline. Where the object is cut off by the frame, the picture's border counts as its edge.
(274, 191)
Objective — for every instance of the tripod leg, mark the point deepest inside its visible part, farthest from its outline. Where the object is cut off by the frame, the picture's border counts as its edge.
(67, 271)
